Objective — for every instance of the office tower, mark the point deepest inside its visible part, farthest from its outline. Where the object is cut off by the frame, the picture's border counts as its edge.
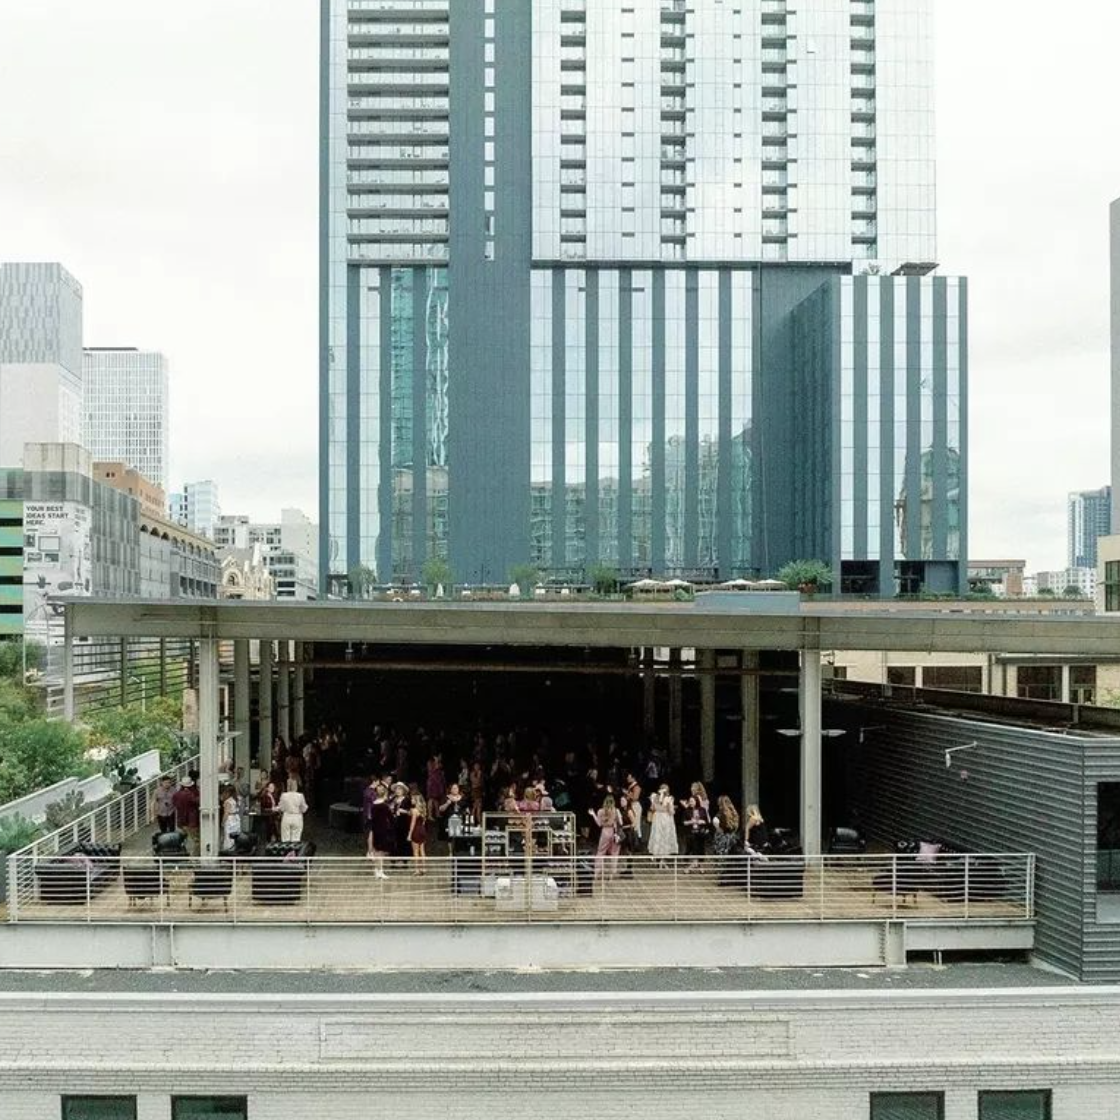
(40, 358)
(569, 257)
(1089, 516)
(196, 506)
(125, 402)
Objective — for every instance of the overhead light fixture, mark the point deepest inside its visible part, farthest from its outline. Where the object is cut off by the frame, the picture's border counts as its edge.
(826, 732)
(863, 731)
(950, 751)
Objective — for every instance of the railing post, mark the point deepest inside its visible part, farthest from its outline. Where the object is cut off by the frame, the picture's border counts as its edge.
(676, 900)
(307, 890)
(1028, 896)
(750, 900)
(13, 888)
(233, 887)
(894, 885)
(820, 865)
(89, 893)
(164, 887)
(966, 886)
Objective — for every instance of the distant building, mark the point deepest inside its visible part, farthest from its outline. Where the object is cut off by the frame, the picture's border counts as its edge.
(1002, 577)
(245, 574)
(150, 495)
(40, 358)
(125, 403)
(289, 549)
(196, 507)
(596, 275)
(1062, 581)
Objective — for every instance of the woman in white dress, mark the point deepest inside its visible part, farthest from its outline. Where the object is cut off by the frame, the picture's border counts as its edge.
(231, 816)
(663, 830)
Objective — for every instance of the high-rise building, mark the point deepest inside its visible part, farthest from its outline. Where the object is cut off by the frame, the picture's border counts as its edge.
(196, 506)
(597, 277)
(40, 358)
(1089, 517)
(125, 404)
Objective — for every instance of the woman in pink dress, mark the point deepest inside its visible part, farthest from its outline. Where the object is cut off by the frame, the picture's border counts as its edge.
(609, 841)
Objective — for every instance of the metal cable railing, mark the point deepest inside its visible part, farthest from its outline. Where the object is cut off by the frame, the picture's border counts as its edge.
(109, 824)
(97, 884)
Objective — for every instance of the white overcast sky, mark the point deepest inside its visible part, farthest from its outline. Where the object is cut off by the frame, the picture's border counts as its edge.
(166, 153)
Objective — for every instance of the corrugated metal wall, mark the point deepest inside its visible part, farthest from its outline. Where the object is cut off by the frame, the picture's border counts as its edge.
(1101, 943)
(1019, 789)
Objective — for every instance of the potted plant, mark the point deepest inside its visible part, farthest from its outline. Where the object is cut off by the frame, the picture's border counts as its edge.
(806, 576)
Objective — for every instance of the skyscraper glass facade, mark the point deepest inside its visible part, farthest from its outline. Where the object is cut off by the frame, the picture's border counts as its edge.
(125, 399)
(560, 311)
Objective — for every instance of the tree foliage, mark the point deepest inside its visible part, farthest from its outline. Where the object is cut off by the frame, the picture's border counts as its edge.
(35, 753)
(362, 580)
(526, 576)
(604, 579)
(135, 729)
(436, 571)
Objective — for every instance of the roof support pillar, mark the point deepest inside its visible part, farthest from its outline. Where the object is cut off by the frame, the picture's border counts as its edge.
(811, 760)
(284, 692)
(748, 702)
(208, 710)
(676, 709)
(706, 662)
(298, 681)
(264, 709)
(241, 676)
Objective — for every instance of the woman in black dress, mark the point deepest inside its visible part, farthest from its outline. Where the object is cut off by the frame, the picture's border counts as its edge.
(383, 834)
(758, 835)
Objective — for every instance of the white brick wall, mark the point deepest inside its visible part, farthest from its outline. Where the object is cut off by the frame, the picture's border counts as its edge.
(780, 1055)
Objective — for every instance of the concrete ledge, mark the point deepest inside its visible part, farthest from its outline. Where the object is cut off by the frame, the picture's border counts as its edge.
(970, 936)
(546, 945)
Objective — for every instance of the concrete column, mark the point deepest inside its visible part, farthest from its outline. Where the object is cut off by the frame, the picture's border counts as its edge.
(811, 763)
(264, 706)
(163, 666)
(1067, 692)
(208, 703)
(298, 727)
(676, 709)
(706, 663)
(649, 697)
(283, 692)
(749, 692)
(67, 666)
(241, 705)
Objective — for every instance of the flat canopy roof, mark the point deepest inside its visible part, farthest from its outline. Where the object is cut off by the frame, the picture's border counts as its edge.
(744, 621)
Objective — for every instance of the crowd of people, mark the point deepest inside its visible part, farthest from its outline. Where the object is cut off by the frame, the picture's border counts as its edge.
(421, 788)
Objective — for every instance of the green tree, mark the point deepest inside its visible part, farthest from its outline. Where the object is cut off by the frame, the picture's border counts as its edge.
(806, 575)
(362, 580)
(604, 579)
(1072, 591)
(12, 655)
(123, 733)
(1046, 593)
(436, 571)
(526, 576)
(35, 753)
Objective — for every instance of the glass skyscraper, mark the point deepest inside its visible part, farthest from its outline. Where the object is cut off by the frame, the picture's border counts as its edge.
(598, 283)
(125, 401)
